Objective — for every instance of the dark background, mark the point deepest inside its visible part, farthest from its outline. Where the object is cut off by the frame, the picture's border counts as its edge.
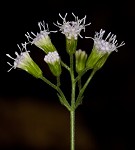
(105, 121)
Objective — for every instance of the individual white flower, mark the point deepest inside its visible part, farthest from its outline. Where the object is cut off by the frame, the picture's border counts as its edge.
(42, 39)
(108, 44)
(102, 49)
(25, 62)
(72, 29)
(53, 61)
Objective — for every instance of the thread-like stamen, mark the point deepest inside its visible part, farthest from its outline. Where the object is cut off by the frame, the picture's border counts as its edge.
(10, 56)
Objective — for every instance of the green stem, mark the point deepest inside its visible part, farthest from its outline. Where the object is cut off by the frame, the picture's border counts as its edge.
(58, 81)
(72, 111)
(72, 81)
(57, 89)
(49, 83)
(79, 84)
(84, 87)
(64, 65)
(81, 74)
(72, 129)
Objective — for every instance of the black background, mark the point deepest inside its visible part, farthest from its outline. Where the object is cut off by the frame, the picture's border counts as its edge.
(109, 103)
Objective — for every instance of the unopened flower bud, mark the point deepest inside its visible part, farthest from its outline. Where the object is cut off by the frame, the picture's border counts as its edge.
(53, 61)
(81, 58)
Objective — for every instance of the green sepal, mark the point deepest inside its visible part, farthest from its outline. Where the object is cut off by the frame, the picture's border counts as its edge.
(26, 63)
(32, 68)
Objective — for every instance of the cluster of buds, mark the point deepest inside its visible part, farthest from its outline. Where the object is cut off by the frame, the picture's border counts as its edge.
(102, 48)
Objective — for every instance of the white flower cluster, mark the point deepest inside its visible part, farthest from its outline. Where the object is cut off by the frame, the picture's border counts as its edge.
(72, 29)
(108, 45)
(52, 57)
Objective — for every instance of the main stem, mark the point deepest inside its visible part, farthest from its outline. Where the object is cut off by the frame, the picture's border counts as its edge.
(72, 110)
(72, 129)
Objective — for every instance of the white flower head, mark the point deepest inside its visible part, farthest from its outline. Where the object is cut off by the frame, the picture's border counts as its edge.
(39, 36)
(108, 44)
(102, 49)
(41, 39)
(20, 59)
(25, 62)
(52, 57)
(72, 29)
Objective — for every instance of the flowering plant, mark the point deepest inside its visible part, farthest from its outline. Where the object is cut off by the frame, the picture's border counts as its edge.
(80, 62)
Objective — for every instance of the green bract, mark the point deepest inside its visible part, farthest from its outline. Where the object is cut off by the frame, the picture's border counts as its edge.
(101, 61)
(71, 45)
(94, 57)
(55, 68)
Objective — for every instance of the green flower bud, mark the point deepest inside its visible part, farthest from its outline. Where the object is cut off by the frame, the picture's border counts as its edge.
(42, 40)
(81, 58)
(25, 62)
(53, 61)
(102, 49)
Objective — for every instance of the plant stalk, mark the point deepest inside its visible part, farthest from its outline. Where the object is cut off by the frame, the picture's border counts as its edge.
(72, 129)
(72, 111)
